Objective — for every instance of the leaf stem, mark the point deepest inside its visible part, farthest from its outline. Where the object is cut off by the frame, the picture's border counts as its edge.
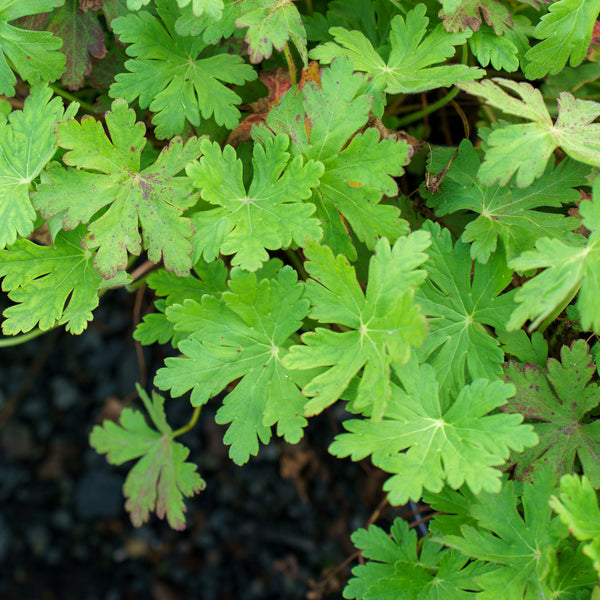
(189, 424)
(16, 340)
(296, 263)
(309, 8)
(546, 322)
(290, 64)
(67, 96)
(431, 108)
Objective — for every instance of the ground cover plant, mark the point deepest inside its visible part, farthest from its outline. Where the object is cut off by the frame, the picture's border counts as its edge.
(389, 204)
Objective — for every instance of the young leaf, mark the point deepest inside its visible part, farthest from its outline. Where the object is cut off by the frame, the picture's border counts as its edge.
(399, 568)
(244, 334)
(322, 122)
(565, 32)
(152, 199)
(460, 298)
(51, 284)
(577, 506)
(425, 445)
(33, 54)
(525, 148)
(557, 402)
(570, 268)
(161, 478)
(508, 212)
(409, 68)
(270, 215)
(27, 143)
(169, 76)
(383, 323)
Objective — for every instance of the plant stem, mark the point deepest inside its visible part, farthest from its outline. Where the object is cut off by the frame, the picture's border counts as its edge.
(16, 340)
(290, 64)
(546, 322)
(431, 108)
(309, 8)
(67, 96)
(296, 263)
(189, 424)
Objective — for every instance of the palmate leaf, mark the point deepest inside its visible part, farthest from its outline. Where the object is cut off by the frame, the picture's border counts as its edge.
(461, 298)
(359, 167)
(270, 215)
(383, 323)
(558, 402)
(515, 533)
(27, 143)
(426, 445)
(210, 8)
(161, 478)
(525, 148)
(51, 284)
(570, 268)
(243, 334)
(413, 54)
(565, 32)
(399, 568)
(508, 213)
(33, 54)
(108, 177)
(174, 76)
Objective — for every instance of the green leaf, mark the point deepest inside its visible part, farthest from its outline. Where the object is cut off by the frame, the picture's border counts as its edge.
(359, 167)
(206, 278)
(557, 402)
(270, 215)
(570, 268)
(577, 506)
(176, 77)
(409, 68)
(565, 32)
(458, 16)
(461, 298)
(82, 37)
(27, 143)
(382, 324)
(108, 191)
(32, 54)
(525, 148)
(399, 568)
(508, 213)
(161, 478)
(51, 284)
(244, 334)
(517, 344)
(426, 445)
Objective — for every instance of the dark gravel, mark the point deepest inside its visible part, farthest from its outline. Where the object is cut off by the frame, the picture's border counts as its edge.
(275, 528)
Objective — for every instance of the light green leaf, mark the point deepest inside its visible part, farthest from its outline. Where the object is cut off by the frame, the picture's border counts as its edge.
(525, 148)
(414, 51)
(270, 215)
(27, 143)
(383, 324)
(161, 478)
(110, 192)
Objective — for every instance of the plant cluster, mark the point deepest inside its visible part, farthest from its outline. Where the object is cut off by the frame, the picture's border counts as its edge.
(266, 159)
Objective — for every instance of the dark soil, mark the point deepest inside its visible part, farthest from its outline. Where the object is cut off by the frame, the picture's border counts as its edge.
(276, 528)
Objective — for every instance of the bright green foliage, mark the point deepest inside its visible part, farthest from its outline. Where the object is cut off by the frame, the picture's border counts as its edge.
(525, 148)
(51, 284)
(565, 32)
(577, 506)
(270, 215)
(518, 344)
(398, 569)
(27, 143)
(169, 76)
(207, 278)
(508, 212)
(33, 54)
(161, 478)
(359, 169)
(245, 333)
(153, 198)
(558, 403)
(460, 298)
(424, 444)
(383, 323)
(569, 268)
(409, 67)
(522, 541)
(211, 8)
(82, 37)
